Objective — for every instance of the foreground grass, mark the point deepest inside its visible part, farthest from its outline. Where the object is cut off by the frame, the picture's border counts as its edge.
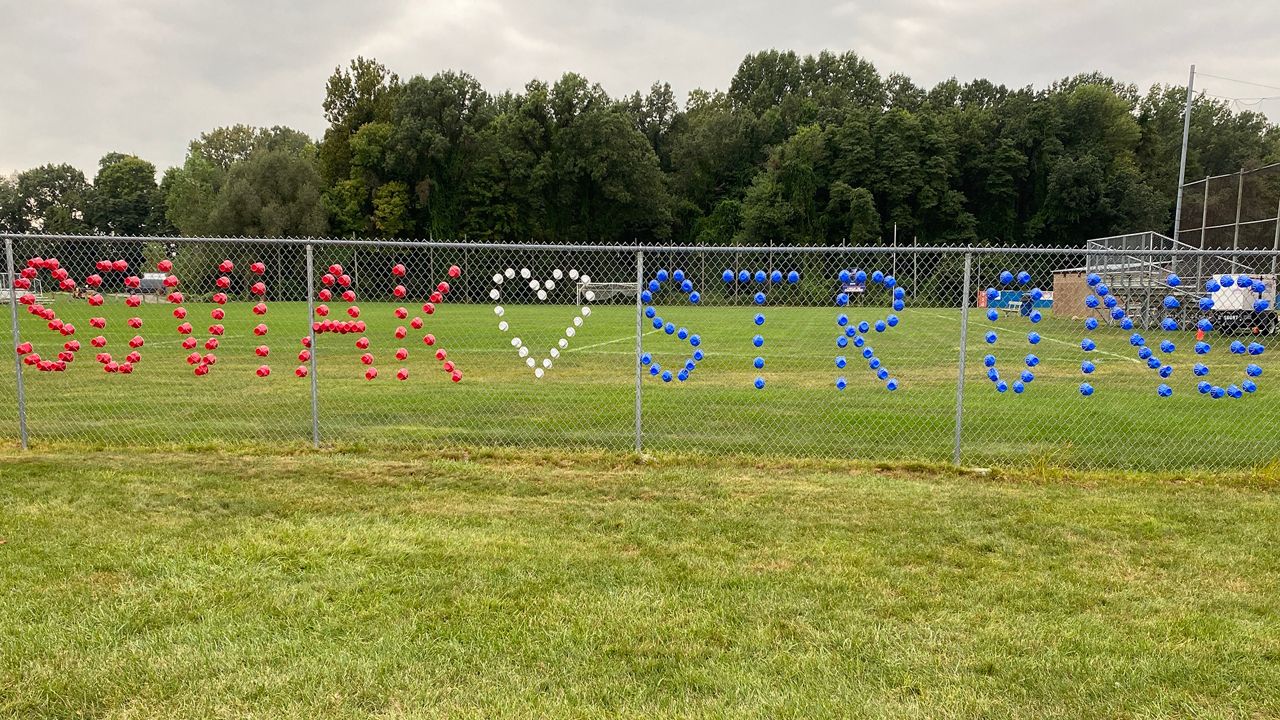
(188, 584)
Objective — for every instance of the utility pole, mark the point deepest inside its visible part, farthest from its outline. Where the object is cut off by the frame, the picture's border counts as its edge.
(1182, 164)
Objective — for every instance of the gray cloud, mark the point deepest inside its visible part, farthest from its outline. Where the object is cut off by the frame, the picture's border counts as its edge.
(82, 78)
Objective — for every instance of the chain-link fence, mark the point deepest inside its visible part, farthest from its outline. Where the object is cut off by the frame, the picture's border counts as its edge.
(1132, 352)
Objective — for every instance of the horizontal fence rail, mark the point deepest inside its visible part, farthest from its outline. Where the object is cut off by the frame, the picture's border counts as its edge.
(1131, 352)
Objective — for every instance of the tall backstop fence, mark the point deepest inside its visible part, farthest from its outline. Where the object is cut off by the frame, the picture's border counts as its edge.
(1129, 352)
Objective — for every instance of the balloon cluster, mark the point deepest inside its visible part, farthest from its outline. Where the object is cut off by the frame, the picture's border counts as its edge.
(646, 296)
(858, 333)
(30, 357)
(760, 277)
(542, 290)
(1102, 300)
(429, 307)
(1252, 371)
(1026, 376)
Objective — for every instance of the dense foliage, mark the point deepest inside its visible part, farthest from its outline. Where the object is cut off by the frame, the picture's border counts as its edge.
(799, 150)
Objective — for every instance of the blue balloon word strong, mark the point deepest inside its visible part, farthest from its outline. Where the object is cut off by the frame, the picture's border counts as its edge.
(853, 283)
(764, 281)
(647, 296)
(1024, 303)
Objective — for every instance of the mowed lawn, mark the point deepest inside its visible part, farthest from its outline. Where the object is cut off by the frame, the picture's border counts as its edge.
(587, 400)
(518, 584)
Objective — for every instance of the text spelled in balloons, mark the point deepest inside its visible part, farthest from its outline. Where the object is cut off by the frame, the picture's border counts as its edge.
(541, 290)
(648, 296)
(763, 281)
(853, 285)
(1025, 303)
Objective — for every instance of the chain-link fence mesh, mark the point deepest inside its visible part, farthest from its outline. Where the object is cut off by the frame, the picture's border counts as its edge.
(838, 352)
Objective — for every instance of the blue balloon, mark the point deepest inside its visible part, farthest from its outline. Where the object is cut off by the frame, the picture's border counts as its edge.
(1256, 349)
(858, 341)
(992, 375)
(646, 296)
(864, 326)
(757, 340)
(793, 277)
(874, 363)
(868, 353)
(992, 294)
(689, 365)
(1126, 324)
(662, 276)
(1169, 324)
(775, 277)
(654, 369)
(1002, 386)
(1091, 301)
(645, 359)
(744, 276)
(1164, 390)
(898, 305)
(1171, 302)
(1261, 305)
(882, 374)
(1174, 280)
(892, 320)
(677, 275)
(899, 293)
(682, 375)
(842, 341)
(683, 333)
(1153, 363)
(759, 276)
(989, 360)
(1166, 371)
(844, 276)
(686, 286)
(727, 276)
(1205, 325)
(877, 276)
(1252, 370)
(1117, 314)
(759, 383)
(1086, 389)
(1088, 345)
(1110, 301)
(1216, 392)
(992, 315)
(653, 286)
(1212, 286)
(695, 341)
(1206, 304)
(1037, 294)
(1018, 387)
(669, 328)
(891, 385)
(1199, 370)
(649, 312)
(1203, 348)
(1167, 346)
(698, 355)
(860, 277)
(1244, 281)
(991, 337)
(1204, 387)
(842, 320)
(657, 323)
(842, 299)
(880, 326)
(1024, 277)
(1033, 338)
(1093, 279)
(889, 281)
(1249, 386)
(694, 298)
(1087, 367)
(1234, 391)
(758, 362)
(1237, 348)
(759, 320)
(1032, 360)
(1137, 340)
(1226, 281)
(1006, 277)
(1144, 353)
(1091, 323)
(666, 376)
(1102, 290)
(759, 298)
(1027, 376)
(841, 361)
(850, 331)
(841, 383)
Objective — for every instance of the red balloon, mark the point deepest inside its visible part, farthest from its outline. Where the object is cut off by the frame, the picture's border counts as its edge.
(457, 376)
(98, 341)
(133, 281)
(22, 283)
(171, 281)
(362, 343)
(193, 358)
(136, 341)
(367, 359)
(164, 266)
(443, 288)
(437, 296)
(217, 313)
(226, 266)
(258, 288)
(103, 358)
(344, 280)
(220, 298)
(326, 279)
(447, 366)
(223, 282)
(24, 348)
(263, 371)
(72, 345)
(322, 310)
(211, 344)
(133, 357)
(209, 359)
(359, 326)
(306, 341)
(402, 313)
(258, 268)
(174, 297)
(94, 280)
(348, 295)
(189, 342)
(402, 374)
(402, 354)
(111, 367)
(401, 332)
(120, 266)
(202, 369)
(416, 323)
(135, 322)
(262, 351)
(429, 308)
(180, 312)
(371, 373)
(429, 339)
(216, 329)
(454, 271)
(398, 270)
(304, 356)
(68, 329)
(126, 368)
(399, 291)
(354, 311)
(260, 309)
(302, 371)
(133, 301)
(335, 269)
(103, 265)
(95, 300)
(260, 330)
(441, 354)
(325, 294)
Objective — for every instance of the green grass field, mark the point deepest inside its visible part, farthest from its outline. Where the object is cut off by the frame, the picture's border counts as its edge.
(587, 399)
(518, 584)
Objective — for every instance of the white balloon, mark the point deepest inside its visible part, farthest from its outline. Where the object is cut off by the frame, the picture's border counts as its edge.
(498, 310)
(557, 274)
(503, 326)
(555, 352)
(542, 294)
(531, 362)
(590, 296)
(569, 332)
(586, 279)
(524, 351)
(497, 279)
(516, 342)
(550, 284)
(563, 343)
(509, 272)
(534, 284)
(494, 294)
(537, 372)
(577, 322)
(546, 363)
(586, 311)
(573, 274)
(524, 273)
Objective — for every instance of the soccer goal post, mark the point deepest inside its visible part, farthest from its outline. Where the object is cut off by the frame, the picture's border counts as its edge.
(603, 292)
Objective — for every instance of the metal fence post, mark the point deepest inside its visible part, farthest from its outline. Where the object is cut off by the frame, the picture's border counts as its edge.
(17, 359)
(311, 330)
(639, 340)
(964, 347)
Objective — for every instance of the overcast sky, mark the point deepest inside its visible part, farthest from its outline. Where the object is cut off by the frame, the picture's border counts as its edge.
(79, 79)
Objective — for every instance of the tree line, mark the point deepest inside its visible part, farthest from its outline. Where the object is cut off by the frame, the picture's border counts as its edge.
(798, 150)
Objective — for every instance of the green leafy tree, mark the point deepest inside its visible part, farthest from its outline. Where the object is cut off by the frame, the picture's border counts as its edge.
(126, 199)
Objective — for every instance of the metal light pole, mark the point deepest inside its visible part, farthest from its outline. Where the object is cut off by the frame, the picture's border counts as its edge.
(1182, 163)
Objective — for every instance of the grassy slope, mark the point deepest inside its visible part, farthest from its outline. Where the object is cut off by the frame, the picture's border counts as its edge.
(587, 399)
(519, 585)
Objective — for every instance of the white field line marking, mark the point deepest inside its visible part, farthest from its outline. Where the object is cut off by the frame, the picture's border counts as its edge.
(607, 342)
(1053, 340)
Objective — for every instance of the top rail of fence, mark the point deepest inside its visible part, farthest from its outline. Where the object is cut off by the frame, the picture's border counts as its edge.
(712, 249)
